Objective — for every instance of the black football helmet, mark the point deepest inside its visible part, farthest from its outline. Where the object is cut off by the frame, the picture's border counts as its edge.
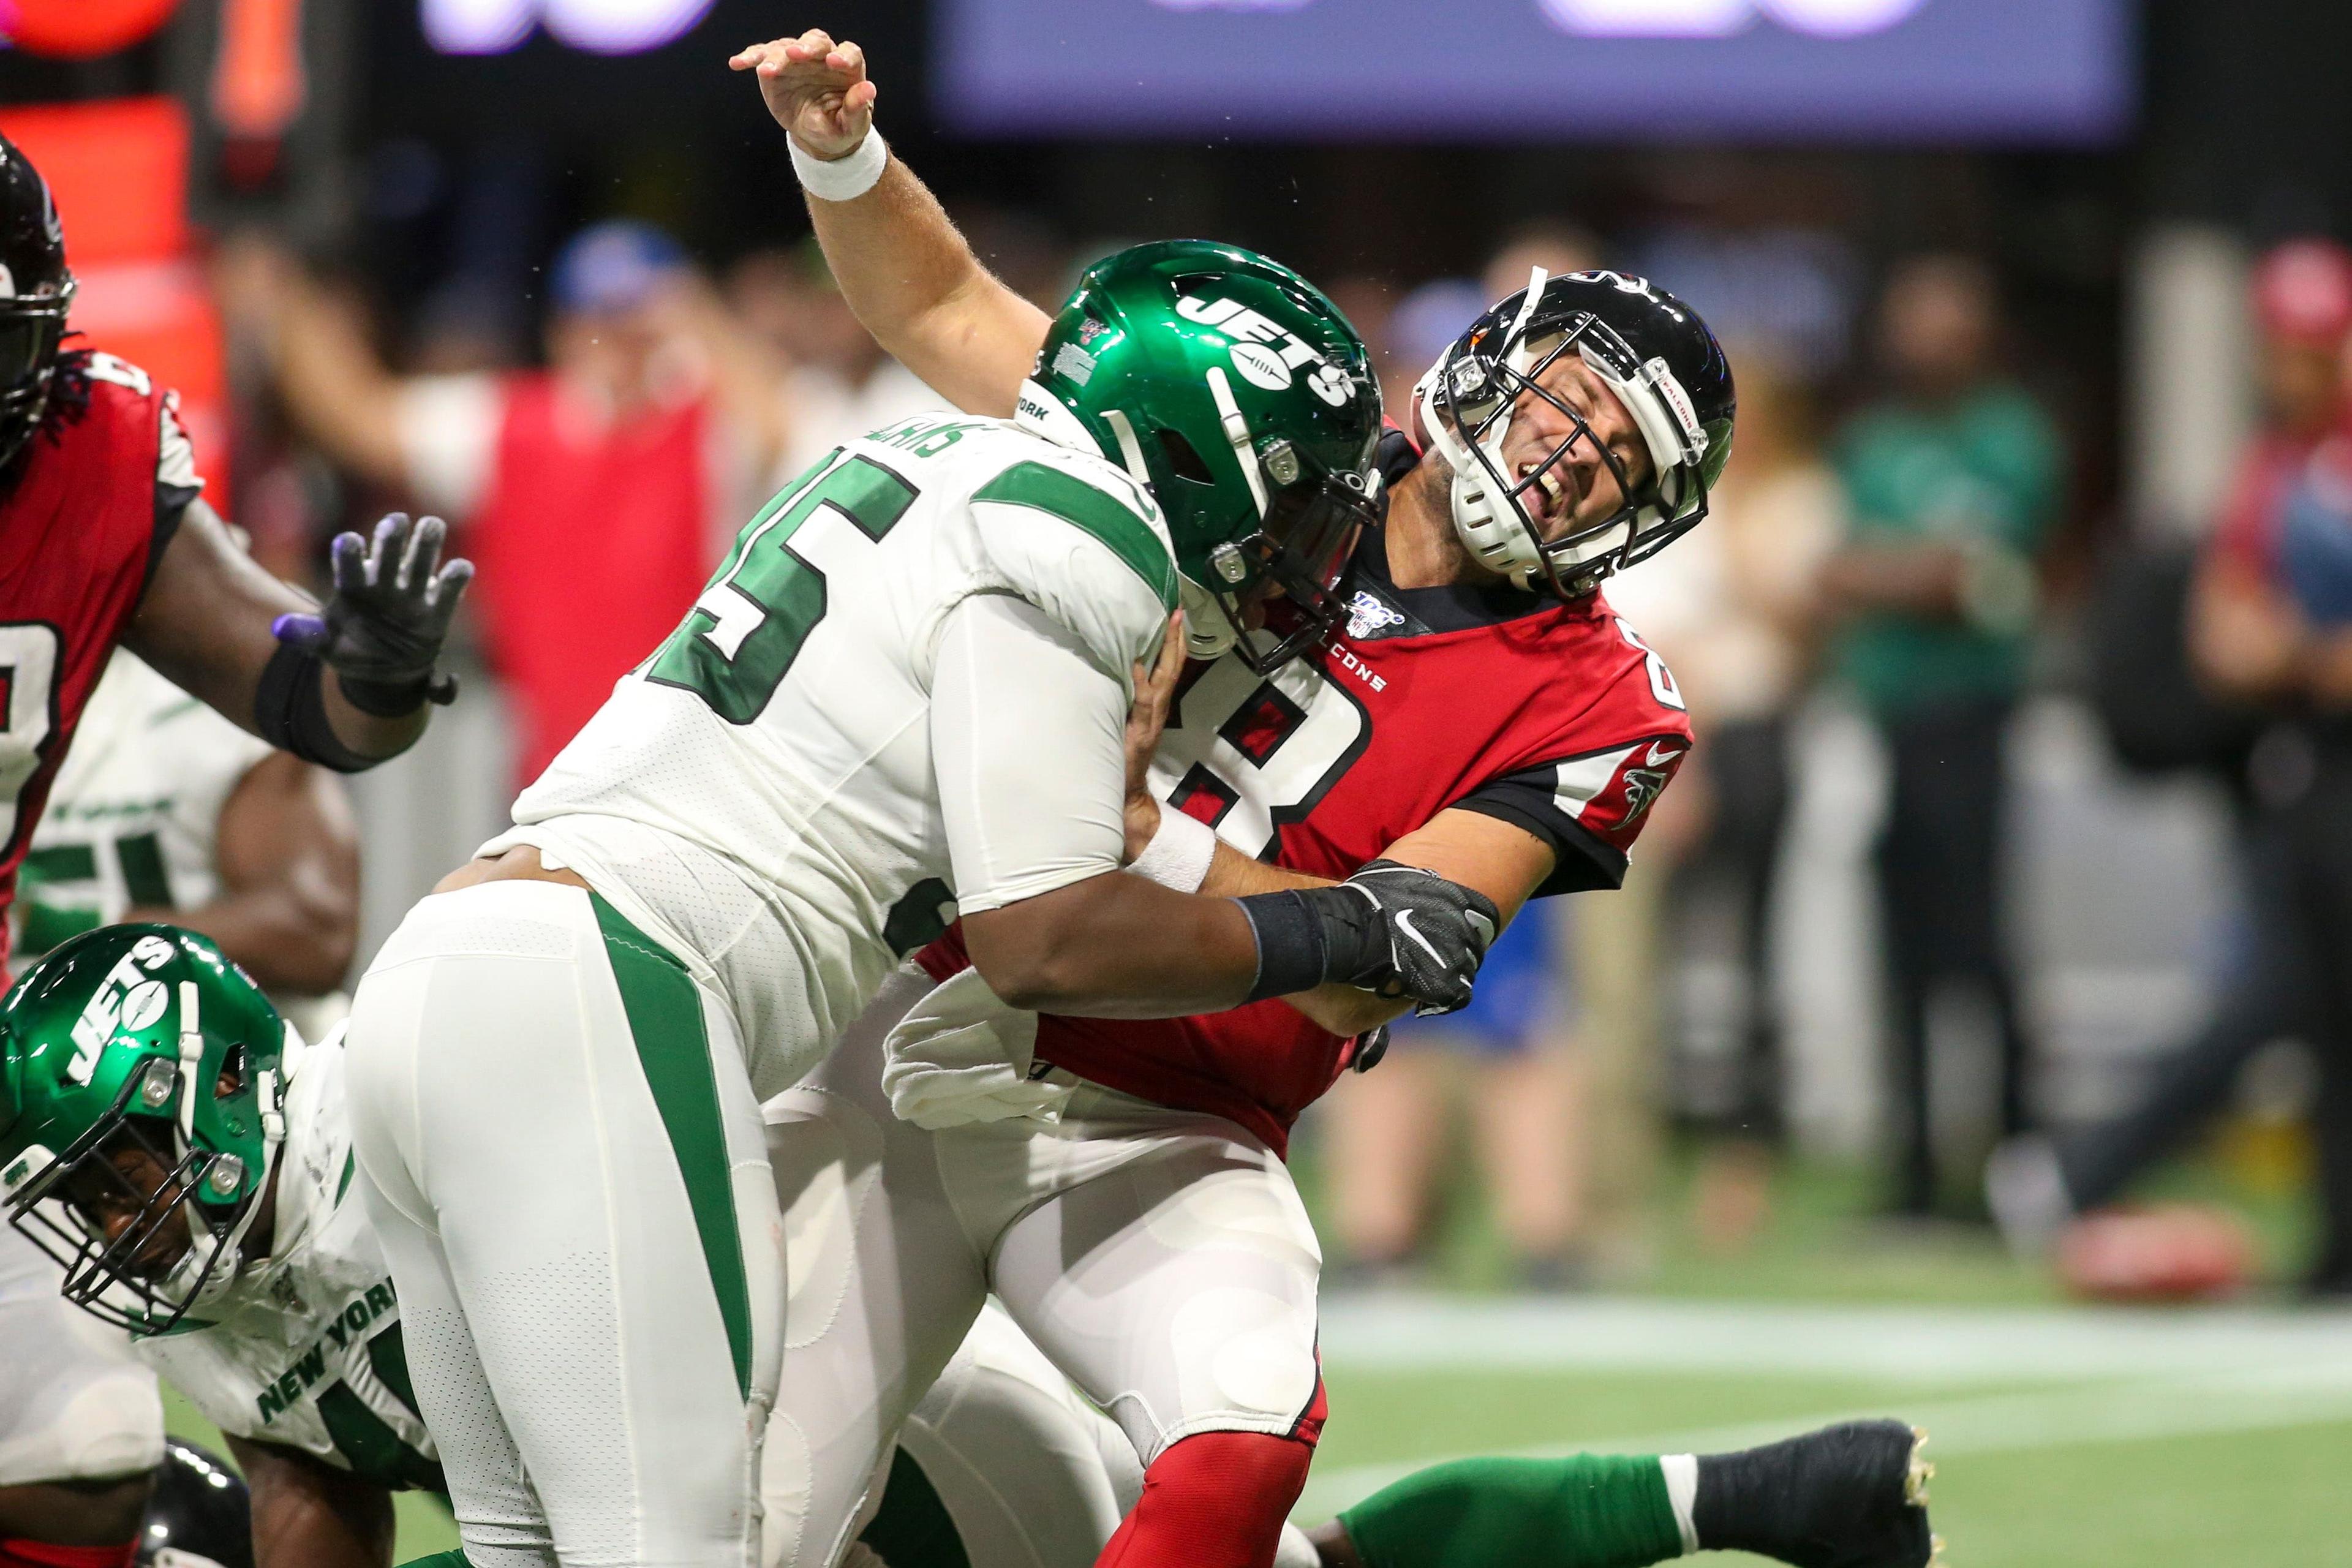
(35, 290)
(1663, 364)
(199, 1515)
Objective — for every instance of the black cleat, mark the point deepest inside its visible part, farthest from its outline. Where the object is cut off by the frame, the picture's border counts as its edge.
(1849, 1496)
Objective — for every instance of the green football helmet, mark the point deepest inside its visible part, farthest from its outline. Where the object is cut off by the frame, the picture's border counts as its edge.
(141, 1079)
(1242, 399)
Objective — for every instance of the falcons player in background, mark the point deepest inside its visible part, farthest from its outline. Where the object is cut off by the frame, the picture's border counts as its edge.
(1473, 707)
(105, 538)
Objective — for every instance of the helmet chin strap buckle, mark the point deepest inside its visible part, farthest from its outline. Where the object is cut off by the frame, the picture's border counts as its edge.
(192, 1049)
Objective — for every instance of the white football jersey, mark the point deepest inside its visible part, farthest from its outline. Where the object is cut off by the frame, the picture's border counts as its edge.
(135, 818)
(303, 1349)
(762, 792)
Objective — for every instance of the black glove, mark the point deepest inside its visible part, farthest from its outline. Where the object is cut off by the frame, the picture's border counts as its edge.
(1394, 930)
(383, 630)
(1425, 936)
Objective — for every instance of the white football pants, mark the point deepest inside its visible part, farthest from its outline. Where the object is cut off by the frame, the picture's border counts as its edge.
(75, 1404)
(560, 1150)
(1160, 1258)
(1007, 1456)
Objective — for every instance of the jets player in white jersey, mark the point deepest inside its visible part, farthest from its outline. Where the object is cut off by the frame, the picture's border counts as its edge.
(164, 809)
(292, 1345)
(902, 696)
(222, 1228)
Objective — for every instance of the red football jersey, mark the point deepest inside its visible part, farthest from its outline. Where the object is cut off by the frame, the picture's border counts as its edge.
(1552, 717)
(84, 514)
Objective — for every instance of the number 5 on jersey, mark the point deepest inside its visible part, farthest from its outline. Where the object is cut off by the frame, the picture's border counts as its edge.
(738, 643)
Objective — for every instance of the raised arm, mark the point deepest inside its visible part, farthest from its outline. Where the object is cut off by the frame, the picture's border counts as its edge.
(900, 263)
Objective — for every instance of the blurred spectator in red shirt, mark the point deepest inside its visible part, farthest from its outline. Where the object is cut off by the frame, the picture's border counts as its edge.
(594, 495)
(2270, 628)
(2241, 628)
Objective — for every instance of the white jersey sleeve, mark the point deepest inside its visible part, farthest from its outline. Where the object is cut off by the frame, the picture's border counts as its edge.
(134, 820)
(1026, 738)
(1084, 543)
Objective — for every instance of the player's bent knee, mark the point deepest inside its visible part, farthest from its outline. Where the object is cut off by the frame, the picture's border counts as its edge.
(1249, 1356)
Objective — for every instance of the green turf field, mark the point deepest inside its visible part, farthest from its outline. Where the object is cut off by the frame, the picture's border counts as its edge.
(2063, 1435)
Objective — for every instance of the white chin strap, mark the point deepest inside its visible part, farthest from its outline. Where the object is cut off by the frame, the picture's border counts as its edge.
(271, 1093)
(1487, 523)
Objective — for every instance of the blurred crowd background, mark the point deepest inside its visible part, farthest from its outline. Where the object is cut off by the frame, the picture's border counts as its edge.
(2014, 880)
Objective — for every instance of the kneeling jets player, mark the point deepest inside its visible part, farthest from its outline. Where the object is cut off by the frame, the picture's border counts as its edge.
(194, 1175)
(904, 690)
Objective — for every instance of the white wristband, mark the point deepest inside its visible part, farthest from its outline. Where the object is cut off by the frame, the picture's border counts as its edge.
(842, 179)
(1179, 854)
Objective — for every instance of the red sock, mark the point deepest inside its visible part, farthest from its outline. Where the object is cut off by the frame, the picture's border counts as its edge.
(41, 1554)
(1215, 1500)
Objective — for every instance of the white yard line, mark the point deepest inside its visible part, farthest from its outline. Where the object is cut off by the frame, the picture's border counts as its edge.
(2117, 1376)
(1932, 1345)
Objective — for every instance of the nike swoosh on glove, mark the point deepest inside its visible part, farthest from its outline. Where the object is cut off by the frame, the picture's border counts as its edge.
(1425, 937)
(381, 630)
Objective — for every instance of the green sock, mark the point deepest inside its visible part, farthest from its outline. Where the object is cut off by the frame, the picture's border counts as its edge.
(1591, 1511)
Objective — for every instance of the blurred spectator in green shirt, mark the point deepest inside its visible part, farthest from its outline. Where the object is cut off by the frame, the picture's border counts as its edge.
(1953, 478)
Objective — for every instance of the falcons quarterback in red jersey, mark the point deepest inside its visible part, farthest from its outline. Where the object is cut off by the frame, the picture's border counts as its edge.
(105, 538)
(1471, 706)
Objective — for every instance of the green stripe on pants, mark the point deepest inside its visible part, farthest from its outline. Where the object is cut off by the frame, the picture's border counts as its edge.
(664, 1009)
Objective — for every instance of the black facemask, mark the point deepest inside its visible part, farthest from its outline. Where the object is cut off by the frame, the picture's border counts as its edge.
(1302, 552)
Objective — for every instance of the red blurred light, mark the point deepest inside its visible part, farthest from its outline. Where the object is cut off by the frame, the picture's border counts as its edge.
(80, 29)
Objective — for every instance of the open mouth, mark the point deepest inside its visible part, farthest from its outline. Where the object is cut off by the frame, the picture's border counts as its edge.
(1557, 500)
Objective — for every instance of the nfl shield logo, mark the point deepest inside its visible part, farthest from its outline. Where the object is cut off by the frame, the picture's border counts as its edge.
(1367, 616)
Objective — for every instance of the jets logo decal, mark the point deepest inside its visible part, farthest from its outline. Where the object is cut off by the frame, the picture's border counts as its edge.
(127, 999)
(1264, 354)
